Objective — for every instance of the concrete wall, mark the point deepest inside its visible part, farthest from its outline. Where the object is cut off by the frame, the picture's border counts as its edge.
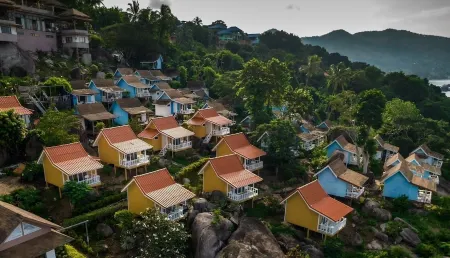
(32, 40)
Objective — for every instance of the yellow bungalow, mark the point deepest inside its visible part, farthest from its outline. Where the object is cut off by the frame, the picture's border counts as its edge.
(227, 175)
(157, 190)
(238, 144)
(309, 206)
(207, 123)
(120, 146)
(165, 134)
(69, 162)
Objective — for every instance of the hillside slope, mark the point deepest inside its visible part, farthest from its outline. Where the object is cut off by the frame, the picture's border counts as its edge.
(391, 50)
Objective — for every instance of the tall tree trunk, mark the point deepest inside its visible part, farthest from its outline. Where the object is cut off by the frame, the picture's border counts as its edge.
(366, 159)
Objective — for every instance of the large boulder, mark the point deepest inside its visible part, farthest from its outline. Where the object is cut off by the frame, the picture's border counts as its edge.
(217, 197)
(287, 242)
(104, 230)
(202, 205)
(374, 245)
(356, 239)
(410, 237)
(373, 208)
(15, 61)
(251, 239)
(209, 238)
(312, 251)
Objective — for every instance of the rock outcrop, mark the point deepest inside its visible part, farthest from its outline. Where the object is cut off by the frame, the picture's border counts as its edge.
(15, 61)
(372, 208)
(251, 239)
(410, 237)
(209, 237)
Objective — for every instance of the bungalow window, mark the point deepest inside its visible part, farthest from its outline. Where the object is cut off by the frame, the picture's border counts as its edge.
(239, 190)
(21, 230)
(34, 25)
(132, 156)
(6, 30)
(18, 21)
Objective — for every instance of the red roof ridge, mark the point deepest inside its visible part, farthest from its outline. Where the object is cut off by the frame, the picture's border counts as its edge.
(151, 172)
(52, 147)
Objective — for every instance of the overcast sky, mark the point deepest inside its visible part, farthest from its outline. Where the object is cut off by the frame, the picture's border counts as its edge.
(313, 17)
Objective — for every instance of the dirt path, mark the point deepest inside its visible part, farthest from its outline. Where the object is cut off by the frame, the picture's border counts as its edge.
(9, 184)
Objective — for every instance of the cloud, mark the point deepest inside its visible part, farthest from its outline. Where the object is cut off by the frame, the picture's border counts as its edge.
(292, 7)
(156, 4)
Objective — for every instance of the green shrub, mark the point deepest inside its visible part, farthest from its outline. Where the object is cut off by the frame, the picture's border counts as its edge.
(76, 192)
(216, 216)
(297, 252)
(393, 228)
(124, 219)
(33, 172)
(105, 201)
(175, 84)
(72, 252)
(401, 204)
(191, 172)
(425, 250)
(107, 170)
(397, 252)
(94, 69)
(333, 248)
(28, 199)
(281, 228)
(95, 215)
(96, 41)
(99, 126)
(445, 248)
(109, 76)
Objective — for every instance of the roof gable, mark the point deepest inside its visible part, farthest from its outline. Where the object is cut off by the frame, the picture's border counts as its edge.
(165, 123)
(153, 181)
(117, 134)
(12, 103)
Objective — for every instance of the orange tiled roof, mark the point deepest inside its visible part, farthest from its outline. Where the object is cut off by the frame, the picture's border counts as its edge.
(161, 124)
(11, 102)
(160, 187)
(71, 158)
(318, 200)
(239, 144)
(148, 133)
(230, 169)
(210, 115)
(123, 139)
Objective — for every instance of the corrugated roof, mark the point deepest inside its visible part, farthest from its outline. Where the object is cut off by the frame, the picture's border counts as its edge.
(79, 84)
(160, 187)
(12, 103)
(195, 85)
(177, 132)
(125, 71)
(239, 144)
(184, 100)
(429, 152)
(231, 170)
(424, 183)
(346, 145)
(132, 146)
(318, 200)
(132, 106)
(134, 81)
(94, 112)
(74, 14)
(210, 115)
(71, 158)
(342, 172)
(173, 94)
(163, 86)
(147, 75)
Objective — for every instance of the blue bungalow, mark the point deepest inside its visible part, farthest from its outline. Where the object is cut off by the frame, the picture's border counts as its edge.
(105, 90)
(384, 149)
(146, 77)
(131, 108)
(341, 144)
(172, 102)
(428, 156)
(399, 181)
(306, 127)
(158, 89)
(155, 63)
(120, 72)
(336, 179)
(324, 126)
(81, 94)
(422, 169)
(135, 87)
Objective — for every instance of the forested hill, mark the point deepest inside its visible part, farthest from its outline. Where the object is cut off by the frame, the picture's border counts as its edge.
(391, 50)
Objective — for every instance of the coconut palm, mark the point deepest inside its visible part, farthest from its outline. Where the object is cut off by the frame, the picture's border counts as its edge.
(134, 10)
(312, 68)
(338, 77)
(197, 21)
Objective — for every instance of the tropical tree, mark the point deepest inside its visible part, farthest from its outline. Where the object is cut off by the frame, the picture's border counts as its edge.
(338, 77)
(12, 133)
(299, 103)
(152, 234)
(197, 21)
(219, 22)
(183, 75)
(400, 118)
(59, 127)
(312, 68)
(134, 10)
(76, 192)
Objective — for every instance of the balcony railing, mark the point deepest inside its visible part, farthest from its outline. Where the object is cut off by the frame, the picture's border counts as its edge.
(354, 160)
(110, 98)
(437, 163)
(355, 192)
(134, 163)
(181, 146)
(254, 165)
(330, 227)
(143, 94)
(424, 196)
(249, 192)
(187, 111)
(222, 131)
(92, 180)
(177, 214)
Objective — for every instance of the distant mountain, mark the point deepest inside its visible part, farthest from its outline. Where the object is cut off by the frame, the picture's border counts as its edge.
(391, 50)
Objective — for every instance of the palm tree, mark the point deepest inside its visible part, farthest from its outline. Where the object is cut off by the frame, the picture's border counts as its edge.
(197, 21)
(134, 10)
(312, 68)
(338, 77)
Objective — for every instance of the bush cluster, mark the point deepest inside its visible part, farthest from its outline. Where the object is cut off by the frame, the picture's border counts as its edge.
(100, 203)
(95, 215)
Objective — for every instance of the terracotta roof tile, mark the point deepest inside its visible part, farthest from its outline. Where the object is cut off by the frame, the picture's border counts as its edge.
(118, 134)
(148, 133)
(318, 200)
(164, 123)
(12, 103)
(210, 115)
(71, 158)
(161, 188)
(231, 170)
(239, 144)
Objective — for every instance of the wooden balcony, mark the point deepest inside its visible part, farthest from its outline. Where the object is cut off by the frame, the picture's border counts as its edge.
(181, 146)
(424, 196)
(253, 165)
(221, 131)
(354, 192)
(329, 227)
(142, 160)
(247, 193)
